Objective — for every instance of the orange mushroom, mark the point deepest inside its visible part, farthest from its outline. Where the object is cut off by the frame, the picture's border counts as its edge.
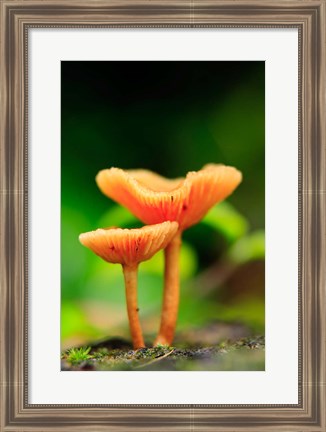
(154, 199)
(129, 248)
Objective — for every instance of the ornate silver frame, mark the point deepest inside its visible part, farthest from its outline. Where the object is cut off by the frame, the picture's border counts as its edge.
(17, 17)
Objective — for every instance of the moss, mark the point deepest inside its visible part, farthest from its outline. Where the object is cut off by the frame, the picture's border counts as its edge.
(75, 356)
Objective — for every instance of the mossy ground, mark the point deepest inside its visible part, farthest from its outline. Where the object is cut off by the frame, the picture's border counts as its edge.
(245, 353)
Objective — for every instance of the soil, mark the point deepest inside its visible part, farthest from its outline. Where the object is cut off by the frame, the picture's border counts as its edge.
(194, 350)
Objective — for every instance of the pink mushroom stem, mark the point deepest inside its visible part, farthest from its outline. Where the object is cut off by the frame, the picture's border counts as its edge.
(171, 292)
(130, 276)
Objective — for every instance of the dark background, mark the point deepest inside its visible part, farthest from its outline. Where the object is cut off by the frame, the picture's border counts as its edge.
(169, 117)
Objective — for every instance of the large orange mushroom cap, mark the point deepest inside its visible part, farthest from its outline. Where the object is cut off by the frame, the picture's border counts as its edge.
(129, 246)
(154, 199)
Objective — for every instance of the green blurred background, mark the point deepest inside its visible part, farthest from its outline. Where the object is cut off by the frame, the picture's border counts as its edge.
(169, 117)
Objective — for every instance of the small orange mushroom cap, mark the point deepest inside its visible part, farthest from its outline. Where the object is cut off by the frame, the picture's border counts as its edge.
(154, 199)
(129, 246)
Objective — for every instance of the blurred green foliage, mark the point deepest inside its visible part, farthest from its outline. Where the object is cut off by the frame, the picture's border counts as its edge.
(170, 117)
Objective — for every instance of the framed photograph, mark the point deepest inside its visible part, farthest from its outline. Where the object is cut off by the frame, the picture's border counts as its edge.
(172, 111)
(162, 215)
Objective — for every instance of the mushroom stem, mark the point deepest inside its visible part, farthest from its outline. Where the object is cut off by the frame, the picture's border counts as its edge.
(171, 292)
(130, 276)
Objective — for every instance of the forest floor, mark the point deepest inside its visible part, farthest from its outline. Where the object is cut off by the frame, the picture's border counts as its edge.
(217, 347)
